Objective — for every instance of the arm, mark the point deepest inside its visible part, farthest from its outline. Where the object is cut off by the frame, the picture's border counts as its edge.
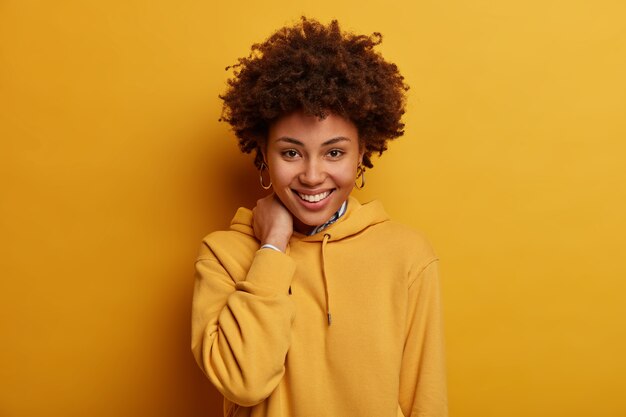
(423, 377)
(241, 331)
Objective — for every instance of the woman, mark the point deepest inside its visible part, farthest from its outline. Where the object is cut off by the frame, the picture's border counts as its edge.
(313, 304)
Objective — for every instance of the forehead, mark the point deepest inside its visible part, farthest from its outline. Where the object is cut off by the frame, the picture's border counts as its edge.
(311, 130)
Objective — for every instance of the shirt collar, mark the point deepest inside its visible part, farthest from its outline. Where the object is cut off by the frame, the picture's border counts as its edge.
(333, 219)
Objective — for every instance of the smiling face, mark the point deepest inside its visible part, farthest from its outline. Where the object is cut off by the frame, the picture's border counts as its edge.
(312, 164)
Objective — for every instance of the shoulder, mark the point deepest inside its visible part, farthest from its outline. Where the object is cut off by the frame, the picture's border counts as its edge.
(414, 239)
(228, 247)
(228, 251)
(239, 238)
(406, 242)
(396, 240)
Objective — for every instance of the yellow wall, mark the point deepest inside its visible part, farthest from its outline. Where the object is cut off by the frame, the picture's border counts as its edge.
(113, 166)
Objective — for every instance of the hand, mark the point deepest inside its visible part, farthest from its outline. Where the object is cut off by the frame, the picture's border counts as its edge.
(272, 222)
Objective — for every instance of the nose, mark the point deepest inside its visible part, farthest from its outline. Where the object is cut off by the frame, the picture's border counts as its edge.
(312, 173)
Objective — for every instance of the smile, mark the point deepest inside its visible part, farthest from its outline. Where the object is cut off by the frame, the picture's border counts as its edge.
(314, 198)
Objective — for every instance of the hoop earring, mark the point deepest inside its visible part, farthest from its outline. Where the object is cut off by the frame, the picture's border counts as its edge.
(360, 172)
(264, 167)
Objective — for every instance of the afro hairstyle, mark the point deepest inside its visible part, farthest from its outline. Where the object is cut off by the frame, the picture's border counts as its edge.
(317, 69)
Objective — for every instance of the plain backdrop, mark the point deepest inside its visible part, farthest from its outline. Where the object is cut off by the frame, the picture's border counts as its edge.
(113, 166)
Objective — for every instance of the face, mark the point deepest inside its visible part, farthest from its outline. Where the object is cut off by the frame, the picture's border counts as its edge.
(312, 164)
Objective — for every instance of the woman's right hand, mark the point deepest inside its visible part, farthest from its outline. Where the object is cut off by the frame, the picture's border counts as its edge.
(272, 222)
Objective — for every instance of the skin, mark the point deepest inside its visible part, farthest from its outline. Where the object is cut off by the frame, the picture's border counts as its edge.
(306, 156)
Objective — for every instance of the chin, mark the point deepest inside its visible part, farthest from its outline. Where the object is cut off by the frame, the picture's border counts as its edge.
(311, 221)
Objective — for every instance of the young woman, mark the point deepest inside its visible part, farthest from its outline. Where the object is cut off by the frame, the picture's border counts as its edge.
(314, 304)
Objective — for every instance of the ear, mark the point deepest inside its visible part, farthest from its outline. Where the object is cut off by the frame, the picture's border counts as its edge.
(361, 151)
(261, 152)
(262, 149)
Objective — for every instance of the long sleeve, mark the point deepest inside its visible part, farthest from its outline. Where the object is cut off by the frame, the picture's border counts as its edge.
(241, 329)
(423, 390)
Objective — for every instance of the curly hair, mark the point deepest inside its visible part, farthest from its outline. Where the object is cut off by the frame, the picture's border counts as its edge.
(320, 70)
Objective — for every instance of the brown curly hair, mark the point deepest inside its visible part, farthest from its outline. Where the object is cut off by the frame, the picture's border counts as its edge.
(317, 69)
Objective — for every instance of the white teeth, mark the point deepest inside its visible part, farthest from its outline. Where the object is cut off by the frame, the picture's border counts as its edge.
(314, 198)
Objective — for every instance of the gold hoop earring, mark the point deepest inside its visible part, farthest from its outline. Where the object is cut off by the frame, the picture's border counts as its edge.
(360, 173)
(264, 167)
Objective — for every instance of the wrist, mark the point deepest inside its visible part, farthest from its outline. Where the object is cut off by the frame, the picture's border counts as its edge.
(272, 247)
(276, 242)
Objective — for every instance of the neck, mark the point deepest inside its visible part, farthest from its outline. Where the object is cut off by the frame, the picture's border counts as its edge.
(300, 227)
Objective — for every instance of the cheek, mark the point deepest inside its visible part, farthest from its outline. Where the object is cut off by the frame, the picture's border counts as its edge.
(346, 176)
(280, 175)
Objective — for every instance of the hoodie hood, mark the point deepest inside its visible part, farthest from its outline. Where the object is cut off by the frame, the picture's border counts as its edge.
(356, 218)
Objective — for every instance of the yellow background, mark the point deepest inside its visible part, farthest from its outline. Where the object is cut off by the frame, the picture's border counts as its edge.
(113, 166)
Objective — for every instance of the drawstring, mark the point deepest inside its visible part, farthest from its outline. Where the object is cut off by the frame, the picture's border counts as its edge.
(326, 238)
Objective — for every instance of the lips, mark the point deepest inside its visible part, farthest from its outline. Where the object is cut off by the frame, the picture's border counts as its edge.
(314, 198)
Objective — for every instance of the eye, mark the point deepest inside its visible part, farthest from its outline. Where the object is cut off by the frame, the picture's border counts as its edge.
(290, 153)
(335, 153)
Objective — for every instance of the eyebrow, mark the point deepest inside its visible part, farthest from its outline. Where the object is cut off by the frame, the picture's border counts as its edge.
(328, 142)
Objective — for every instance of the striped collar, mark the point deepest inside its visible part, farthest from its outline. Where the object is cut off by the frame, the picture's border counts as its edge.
(333, 219)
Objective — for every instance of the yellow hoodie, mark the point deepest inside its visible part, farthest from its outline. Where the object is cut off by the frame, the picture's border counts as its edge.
(261, 328)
